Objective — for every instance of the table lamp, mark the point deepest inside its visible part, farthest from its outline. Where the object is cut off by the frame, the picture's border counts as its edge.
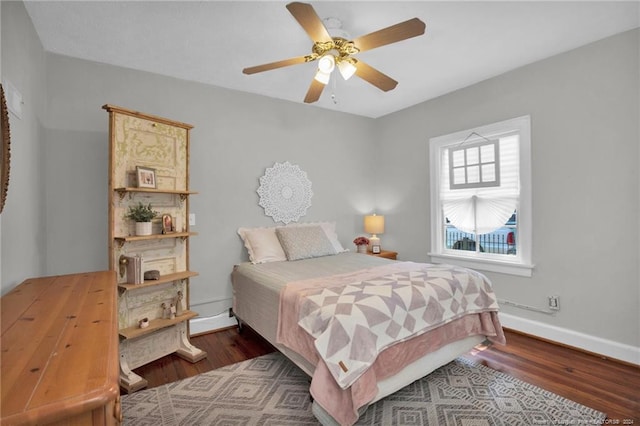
(374, 224)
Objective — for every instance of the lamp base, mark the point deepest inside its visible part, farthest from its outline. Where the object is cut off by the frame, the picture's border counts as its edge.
(374, 241)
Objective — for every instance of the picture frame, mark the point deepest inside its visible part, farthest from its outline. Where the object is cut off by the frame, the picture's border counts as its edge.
(375, 249)
(146, 177)
(167, 224)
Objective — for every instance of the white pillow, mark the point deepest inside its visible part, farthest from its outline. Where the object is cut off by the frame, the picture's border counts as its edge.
(304, 242)
(329, 229)
(262, 245)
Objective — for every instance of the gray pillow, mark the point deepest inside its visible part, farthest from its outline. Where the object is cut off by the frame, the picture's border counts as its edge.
(304, 242)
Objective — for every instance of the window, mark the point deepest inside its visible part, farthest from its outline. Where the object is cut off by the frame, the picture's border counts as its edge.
(481, 197)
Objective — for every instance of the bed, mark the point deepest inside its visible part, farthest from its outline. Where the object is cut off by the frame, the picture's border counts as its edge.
(319, 309)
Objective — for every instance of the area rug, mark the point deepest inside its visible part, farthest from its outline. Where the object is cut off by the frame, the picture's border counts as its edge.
(270, 390)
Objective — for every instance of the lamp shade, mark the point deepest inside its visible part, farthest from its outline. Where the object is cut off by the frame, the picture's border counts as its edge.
(374, 224)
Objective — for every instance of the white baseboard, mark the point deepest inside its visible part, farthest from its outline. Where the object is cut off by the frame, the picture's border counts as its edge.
(209, 324)
(597, 345)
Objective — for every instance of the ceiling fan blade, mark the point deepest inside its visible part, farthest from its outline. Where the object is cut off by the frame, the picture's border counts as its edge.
(402, 31)
(309, 21)
(314, 92)
(279, 64)
(375, 77)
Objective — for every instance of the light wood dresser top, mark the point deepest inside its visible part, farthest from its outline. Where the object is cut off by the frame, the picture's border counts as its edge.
(59, 348)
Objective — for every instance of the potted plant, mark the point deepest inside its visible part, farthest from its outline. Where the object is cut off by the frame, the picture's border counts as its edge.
(362, 244)
(142, 215)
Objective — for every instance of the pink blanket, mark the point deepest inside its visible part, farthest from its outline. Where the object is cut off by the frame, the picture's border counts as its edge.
(406, 292)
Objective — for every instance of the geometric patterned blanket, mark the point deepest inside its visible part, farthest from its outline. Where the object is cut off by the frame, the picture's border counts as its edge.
(354, 322)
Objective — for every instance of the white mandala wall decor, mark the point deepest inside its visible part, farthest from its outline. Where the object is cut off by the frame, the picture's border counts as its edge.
(285, 192)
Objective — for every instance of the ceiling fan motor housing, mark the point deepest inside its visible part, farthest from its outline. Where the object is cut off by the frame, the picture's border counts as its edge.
(342, 46)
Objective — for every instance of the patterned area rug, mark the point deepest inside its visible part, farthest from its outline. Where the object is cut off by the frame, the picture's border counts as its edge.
(270, 390)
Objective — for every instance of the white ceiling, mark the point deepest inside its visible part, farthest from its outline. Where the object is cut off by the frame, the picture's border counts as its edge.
(212, 41)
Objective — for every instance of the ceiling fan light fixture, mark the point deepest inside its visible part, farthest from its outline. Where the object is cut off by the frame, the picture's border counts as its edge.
(326, 63)
(322, 77)
(334, 47)
(347, 68)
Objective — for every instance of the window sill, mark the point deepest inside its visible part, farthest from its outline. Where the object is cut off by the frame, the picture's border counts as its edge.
(510, 268)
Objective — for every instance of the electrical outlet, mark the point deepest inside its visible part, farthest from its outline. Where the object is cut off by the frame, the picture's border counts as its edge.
(554, 303)
(192, 219)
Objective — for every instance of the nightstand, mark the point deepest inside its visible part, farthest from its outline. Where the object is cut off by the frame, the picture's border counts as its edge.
(385, 253)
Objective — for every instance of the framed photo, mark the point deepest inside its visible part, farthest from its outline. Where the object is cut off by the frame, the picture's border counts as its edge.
(167, 224)
(146, 177)
(375, 249)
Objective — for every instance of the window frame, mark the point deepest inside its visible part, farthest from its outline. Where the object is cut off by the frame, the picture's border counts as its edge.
(520, 264)
(481, 182)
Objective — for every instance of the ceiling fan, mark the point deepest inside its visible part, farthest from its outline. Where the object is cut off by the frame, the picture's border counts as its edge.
(332, 52)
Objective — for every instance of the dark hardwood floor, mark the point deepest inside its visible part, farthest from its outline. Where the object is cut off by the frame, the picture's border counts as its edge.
(599, 383)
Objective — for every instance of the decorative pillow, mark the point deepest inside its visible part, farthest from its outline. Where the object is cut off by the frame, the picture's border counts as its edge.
(262, 245)
(329, 229)
(304, 242)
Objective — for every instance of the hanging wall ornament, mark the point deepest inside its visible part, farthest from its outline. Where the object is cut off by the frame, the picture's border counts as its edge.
(285, 192)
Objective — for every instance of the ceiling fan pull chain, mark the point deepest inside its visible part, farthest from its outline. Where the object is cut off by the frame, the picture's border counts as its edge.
(333, 91)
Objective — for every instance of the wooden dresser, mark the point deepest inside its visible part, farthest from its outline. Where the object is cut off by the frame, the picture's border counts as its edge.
(60, 351)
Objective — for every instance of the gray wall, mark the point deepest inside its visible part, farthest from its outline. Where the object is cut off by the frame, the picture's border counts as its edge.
(236, 136)
(23, 218)
(584, 109)
(585, 138)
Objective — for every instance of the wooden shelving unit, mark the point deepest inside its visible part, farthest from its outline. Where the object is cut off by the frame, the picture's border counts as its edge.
(160, 144)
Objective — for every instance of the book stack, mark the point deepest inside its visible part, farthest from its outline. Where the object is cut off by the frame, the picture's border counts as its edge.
(134, 269)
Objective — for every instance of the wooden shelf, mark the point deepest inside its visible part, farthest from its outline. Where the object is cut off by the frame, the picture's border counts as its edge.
(155, 236)
(155, 325)
(130, 190)
(163, 279)
(124, 190)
